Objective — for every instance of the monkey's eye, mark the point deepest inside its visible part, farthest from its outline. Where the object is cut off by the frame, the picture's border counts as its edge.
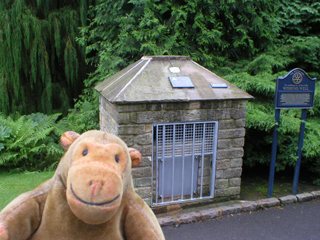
(116, 158)
(84, 152)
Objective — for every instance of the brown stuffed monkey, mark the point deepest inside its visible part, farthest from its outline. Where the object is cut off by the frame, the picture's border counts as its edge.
(90, 196)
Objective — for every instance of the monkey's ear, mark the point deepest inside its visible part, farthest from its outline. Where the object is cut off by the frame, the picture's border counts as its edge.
(68, 138)
(136, 157)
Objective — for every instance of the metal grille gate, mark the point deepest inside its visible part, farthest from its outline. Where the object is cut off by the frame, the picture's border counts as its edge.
(184, 161)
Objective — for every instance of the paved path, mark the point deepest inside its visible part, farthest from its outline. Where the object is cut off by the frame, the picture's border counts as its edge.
(296, 221)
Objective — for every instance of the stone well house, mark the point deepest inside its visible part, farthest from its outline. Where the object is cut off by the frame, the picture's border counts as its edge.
(188, 123)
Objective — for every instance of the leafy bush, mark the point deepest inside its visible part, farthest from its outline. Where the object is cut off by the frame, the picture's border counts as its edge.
(259, 80)
(298, 45)
(29, 142)
(85, 114)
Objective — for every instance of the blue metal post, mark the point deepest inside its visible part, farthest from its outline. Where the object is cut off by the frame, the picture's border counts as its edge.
(300, 146)
(274, 153)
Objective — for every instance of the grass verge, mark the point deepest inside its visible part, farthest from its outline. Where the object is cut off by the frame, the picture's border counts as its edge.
(254, 185)
(13, 184)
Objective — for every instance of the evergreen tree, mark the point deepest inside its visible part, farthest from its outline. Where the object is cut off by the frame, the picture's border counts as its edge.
(42, 68)
(210, 32)
(298, 46)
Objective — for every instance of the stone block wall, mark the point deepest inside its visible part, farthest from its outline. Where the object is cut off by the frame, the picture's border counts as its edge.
(133, 123)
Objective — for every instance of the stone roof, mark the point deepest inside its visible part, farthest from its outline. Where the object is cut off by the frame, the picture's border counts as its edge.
(147, 80)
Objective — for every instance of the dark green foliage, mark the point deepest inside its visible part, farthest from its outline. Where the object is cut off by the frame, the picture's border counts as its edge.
(42, 68)
(299, 17)
(29, 142)
(85, 114)
(258, 78)
(260, 122)
(210, 32)
(298, 46)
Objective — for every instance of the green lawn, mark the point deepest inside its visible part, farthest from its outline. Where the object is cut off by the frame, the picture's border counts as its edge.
(13, 184)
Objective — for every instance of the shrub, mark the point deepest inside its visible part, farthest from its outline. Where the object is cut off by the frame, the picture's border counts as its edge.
(258, 78)
(85, 114)
(29, 142)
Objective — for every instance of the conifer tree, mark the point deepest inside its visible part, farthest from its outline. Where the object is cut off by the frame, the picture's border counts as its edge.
(298, 46)
(210, 32)
(41, 65)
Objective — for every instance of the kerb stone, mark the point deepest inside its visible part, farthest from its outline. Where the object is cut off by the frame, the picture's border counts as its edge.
(250, 206)
(304, 197)
(269, 202)
(189, 217)
(231, 209)
(316, 194)
(166, 221)
(209, 213)
(288, 199)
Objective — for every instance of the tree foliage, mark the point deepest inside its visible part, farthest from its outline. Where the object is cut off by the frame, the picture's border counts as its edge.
(42, 68)
(211, 32)
(298, 45)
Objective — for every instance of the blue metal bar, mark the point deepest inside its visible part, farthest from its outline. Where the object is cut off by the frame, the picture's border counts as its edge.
(274, 153)
(299, 153)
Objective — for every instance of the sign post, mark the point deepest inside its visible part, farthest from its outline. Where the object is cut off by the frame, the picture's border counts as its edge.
(274, 153)
(295, 90)
(300, 145)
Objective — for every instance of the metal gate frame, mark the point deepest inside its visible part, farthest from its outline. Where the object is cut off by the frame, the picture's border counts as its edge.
(198, 143)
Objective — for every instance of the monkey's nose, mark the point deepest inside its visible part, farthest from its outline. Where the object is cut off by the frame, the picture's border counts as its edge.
(95, 186)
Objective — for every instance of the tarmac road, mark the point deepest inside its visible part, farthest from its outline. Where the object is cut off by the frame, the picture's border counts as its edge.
(296, 221)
